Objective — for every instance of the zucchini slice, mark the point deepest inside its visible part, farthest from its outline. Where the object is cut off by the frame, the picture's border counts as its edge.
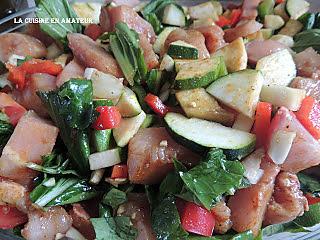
(128, 104)
(291, 28)
(174, 15)
(159, 43)
(200, 135)
(182, 50)
(273, 22)
(265, 8)
(239, 90)
(200, 73)
(296, 8)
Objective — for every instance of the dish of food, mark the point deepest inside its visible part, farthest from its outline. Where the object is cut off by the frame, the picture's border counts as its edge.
(159, 120)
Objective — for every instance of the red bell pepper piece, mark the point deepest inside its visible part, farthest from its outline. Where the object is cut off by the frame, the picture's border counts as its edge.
(119, 171)
(196, 219)
(309, 116)
(93, 31)
(223, 21)
(262, 122)
(11, 217)
(155, 103)
(14, 113)
(311, 199)
(235, 16)
(108, 118)
(279, 1)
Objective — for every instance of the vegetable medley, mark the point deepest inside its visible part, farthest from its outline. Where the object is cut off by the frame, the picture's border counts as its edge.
(161, 121)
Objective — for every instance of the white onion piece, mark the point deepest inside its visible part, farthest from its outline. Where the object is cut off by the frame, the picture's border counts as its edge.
(280, 145)
(104, 159)
(252, 166)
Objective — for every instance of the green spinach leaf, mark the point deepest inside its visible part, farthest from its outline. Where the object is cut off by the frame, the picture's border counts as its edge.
(6, 129)
(309, 184)
(114, 198)
(306, 39)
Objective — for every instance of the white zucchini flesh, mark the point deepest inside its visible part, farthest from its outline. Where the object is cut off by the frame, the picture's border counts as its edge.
(173, 15)
(284, 39)
(277, 68)
(253, 172)
(96, 176)
(239, 90)
(127, 129)
(159, 43)
(280, 145)
(128, 104)
(273, 22)
(104, 85)
(13, 59)
(282, 96)
(243, 123)
(296, 8)
(104, 159)
(206, 10)
(88, 10)
(167, 63)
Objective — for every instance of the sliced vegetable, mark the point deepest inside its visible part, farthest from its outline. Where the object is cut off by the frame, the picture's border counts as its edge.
(308, 20)
(6, 129)
(239, 90)
(200, 135)
(297, 8)
(243, 123)
(167, 63)
(306, 39)
(253, 172)
(156, 104)
(159, 43)
(273, 22)
(208, 9)
(290, 98)
(182, 50)
(200, 73)
(127, 129)
(128, 104)
(262, 122)
(150, 119)
(104, 159)
(196, 219)
(153, 80)
(265, 8)
(93, 31)
(199, 104)
(311, 199)
(174, 15)
(284, 39)
(291, 28)
(119, 171)
(109, 118)
(280, 9)
(309, 116)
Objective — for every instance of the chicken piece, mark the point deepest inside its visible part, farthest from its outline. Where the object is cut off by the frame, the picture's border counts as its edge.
(151, 59)
(243, 30)
(32, 138)
(109, 16)
(213, 37)
(81, 221)
(90, 54)
(249, 205)
(131, 3)
(28, 97)
(45, 225)
(72, 70)
(8, 105)
(287, 201)
(222, 216)
(249, 9)
(308, 63)
(138, 209)
(312, 86)
(33, 29)
(193, 37)
(150, 155)
(22, 45)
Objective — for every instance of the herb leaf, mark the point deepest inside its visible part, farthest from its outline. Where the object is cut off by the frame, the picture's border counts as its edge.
(6, 129)
(114, 198)
(309, 184)
(306, 39)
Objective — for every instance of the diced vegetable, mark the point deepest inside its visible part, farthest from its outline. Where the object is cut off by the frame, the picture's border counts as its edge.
(200, 73)
(243, 123)
(182, 50)
(280, 145)
(127, 129)
(104, 85)
(167, 63)
(96, 176)
(262, 122)
(265, 8)
(291, 28)
(273, 22)
(277, 68)
(297, 8)
(149, 120)
(109, 118)
(200, 135)
(179, 62)
(104, 159)
(156, 104)
(311, 199)
(196, 219)
(266, 33)
(309, 116)
(53, 51)
(284, 39)
(159, 43)
(93, 31)
(303, 41)
(89, 10)
(204, 22)
(208, 9)
(154, 80)
(239, 90)
(199, 104)
(174, 15)
(308, 20)
(119, 171)
(234, 55)
(290, 98)
(253, 172)
(128, 104)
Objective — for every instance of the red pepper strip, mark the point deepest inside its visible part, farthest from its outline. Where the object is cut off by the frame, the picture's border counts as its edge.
(223, 21)
(196, 219)
(93, 31)
(14, 113)
(11, 217)
(262, 122)
(108, 118)
(155, 103)
(311, 199)
(309, 116)
(119, 171)
(235, 16)
(279, 1)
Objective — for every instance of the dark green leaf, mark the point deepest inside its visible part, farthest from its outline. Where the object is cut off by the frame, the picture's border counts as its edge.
(153, 80)
(153, 19)
(248, 235)
(141, 94)
(6, 129)
(156, 6)
(20, 61)
(166, 221)
(114, 198)
(279, 228)
(308, 20)
(309, 184)
(172, 184)
(71, 109)
(306, 39)
(60, 10)
(9, 235)
(124, 228)
(309, 218)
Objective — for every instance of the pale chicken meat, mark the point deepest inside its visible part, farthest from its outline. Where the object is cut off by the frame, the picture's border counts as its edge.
(45, 225)
(249, 9)
(32, 138)
(191, 36)
(222, 217)
(308, 63)
(72, 70)
(243, 30)
(312, 86)
(7, 103)
(91, 55)
(149, 55)
(213, 37)
(150, 155)
(22, 45)
(33, 29)
(287, 201)
(248, 205)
